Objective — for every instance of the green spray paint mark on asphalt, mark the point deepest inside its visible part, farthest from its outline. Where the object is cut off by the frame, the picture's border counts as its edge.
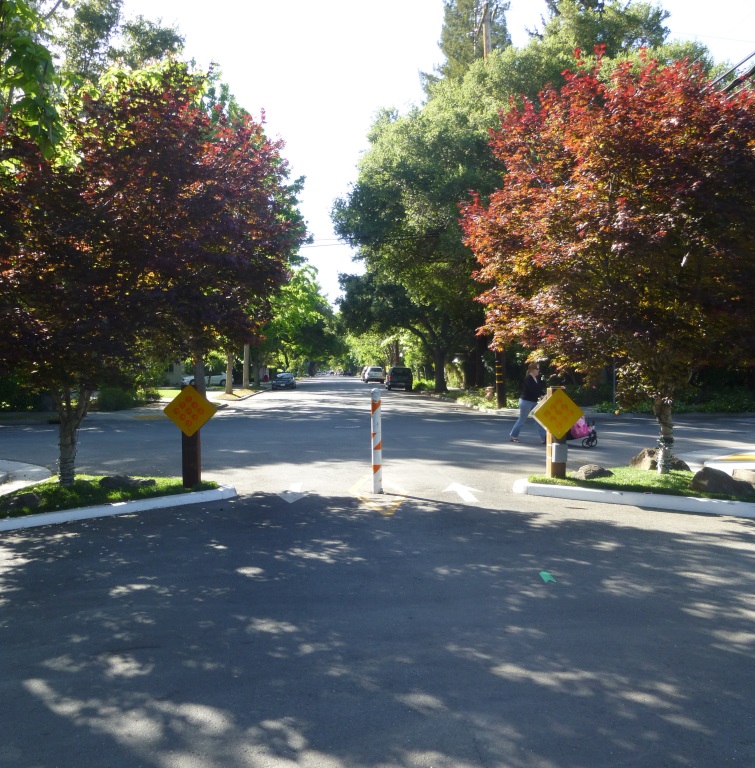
(545, 576)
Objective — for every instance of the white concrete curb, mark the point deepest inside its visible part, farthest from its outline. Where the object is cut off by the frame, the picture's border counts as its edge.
(121, 508)
(653, 500)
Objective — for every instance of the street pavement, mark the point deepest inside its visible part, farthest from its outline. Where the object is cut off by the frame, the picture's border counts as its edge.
(335, 630)
(721, 454)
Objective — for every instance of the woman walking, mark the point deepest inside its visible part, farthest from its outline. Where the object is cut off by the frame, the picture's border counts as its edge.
(532, 391)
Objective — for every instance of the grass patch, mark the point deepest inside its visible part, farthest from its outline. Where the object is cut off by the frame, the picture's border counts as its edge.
(629, 479)
(87, 492)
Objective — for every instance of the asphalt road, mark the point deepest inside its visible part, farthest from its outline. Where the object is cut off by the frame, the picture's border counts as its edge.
(310, 623)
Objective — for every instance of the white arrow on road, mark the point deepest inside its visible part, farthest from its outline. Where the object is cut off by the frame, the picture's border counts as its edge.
(294, 493)
(464, 492)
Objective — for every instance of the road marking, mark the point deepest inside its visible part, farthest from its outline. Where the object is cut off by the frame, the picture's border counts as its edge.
(294, 493)
(386, 504)
(737, 457)
(546, 577)
(465, 493)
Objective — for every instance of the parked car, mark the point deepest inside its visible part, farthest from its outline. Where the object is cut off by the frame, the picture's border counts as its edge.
(374, 373)
(398, 376)
(215, 380)
(284, 380)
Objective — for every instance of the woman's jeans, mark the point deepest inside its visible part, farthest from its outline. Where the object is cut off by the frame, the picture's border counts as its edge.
(525, 406)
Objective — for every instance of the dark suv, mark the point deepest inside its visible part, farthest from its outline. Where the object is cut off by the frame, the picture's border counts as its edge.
(399, 377)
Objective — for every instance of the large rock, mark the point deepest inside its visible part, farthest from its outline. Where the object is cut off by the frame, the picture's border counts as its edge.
(124, 481)
(746, 475)
(712, 480)
(20, 500)
(590, 472)
(647, 458)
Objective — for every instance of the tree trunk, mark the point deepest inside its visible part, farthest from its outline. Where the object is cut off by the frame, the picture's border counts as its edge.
(481, 346)
(230, 357)
(500, 379)
(662, 407)
(440, 370)
(200, 383)
(395, 353)
(256, 365)
(71, 414)
(245, 374)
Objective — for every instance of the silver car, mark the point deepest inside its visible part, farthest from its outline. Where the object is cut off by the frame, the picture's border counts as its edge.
(374, 373)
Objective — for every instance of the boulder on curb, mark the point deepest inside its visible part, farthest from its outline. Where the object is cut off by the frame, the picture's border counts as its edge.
(746, 475)
(590, 472)
(647, 458)
(712, 480)
(124, 481)
(21, 500)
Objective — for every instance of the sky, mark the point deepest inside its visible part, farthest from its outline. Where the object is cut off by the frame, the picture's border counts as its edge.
(321, 71)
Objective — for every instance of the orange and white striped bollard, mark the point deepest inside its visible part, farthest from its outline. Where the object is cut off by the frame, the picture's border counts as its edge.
(377, 444)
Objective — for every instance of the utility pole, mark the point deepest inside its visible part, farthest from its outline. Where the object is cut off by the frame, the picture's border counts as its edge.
(485, 27)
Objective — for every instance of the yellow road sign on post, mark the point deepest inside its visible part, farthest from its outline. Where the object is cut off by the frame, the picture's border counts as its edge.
(189, 410)
(557, 413)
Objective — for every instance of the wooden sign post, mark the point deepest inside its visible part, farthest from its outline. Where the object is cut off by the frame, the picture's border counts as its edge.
(189, 410)
(558, 413)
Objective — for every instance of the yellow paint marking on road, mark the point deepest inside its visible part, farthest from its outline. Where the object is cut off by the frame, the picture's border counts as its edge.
(386, 503)
(150, 417)
(737, 457)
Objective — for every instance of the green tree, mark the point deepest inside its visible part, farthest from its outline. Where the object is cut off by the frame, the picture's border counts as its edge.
(462, 36)
(85, 35)
(145, 42)
(621, 230)
(402, 213)
(167, 235)
(92, 36)
(403, 216)
(617, 25)
(28, 83)
(301, 332)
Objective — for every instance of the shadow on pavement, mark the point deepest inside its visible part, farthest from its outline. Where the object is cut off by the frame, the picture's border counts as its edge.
(258, 633)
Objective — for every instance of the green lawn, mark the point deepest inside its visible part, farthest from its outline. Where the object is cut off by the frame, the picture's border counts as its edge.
(87, 492)
(629, 479)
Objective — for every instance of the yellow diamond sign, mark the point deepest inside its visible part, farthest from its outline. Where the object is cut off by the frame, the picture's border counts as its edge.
(557, 413)
(189, 410)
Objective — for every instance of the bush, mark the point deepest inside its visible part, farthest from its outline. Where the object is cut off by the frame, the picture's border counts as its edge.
(695, 401)
(15, 395)
(151, 396)
(586, 395)
(424, 385)
(114, 399)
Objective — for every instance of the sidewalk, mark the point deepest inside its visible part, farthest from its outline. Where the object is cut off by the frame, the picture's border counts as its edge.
(151, 411)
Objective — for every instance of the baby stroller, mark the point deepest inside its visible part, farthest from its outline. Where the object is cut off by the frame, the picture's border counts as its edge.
(583, 431)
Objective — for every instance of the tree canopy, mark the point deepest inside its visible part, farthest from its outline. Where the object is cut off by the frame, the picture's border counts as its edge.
(621, 229)
(173, 228)
(402, 212)
(28, 82)
(301, 331)
(462, 38)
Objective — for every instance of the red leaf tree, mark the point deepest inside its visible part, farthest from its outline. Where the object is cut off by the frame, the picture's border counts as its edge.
(172, 228)
(622, 230)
